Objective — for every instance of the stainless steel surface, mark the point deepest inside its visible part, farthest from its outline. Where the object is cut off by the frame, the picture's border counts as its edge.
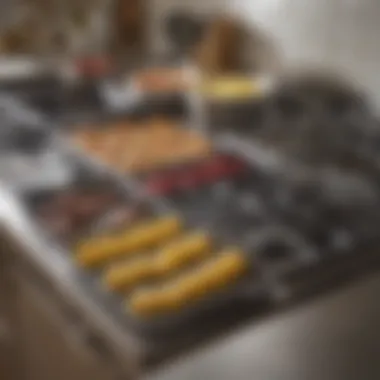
(49, 263)
(42, 260)
(334, 338)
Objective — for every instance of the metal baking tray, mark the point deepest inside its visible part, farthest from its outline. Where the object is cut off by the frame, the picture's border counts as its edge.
(230, 227)
(272, 281)
(112, 301)
(257, 292)
(92, 169)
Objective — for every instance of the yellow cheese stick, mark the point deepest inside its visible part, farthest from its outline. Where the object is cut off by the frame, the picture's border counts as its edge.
(182, 251)
(121, 276)
(231, 88)
(214, 275)
(98, 251)
(150, 303)
(225, 269)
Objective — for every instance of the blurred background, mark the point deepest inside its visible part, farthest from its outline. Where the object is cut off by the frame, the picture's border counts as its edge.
(333, 33)
(189, 189)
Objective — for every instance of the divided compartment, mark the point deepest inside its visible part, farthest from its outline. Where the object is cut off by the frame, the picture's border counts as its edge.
(204, 192)
(228, 202)
(170, 323)
(254, 287)
(263, 285)
(190, 176)
(248, 288)
(92, 204)
(283, 249)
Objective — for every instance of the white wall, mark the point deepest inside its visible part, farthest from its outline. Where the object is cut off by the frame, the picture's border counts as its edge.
(338, 33)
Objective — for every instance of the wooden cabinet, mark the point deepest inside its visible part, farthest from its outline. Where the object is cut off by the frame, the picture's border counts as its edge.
(53, 345)
(9, 366)
(130, 25)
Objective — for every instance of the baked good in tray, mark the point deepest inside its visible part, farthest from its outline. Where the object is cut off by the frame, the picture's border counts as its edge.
(138, 147)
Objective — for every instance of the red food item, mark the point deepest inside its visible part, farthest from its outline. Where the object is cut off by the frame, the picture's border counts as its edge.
(188, 181)
(161, 185)
(170, 183)
(217, 168)
(164, 183)
(220, 167)
(93, 66)
(73, 211)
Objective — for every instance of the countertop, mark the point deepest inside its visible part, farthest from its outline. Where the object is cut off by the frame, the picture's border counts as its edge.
(335, 337)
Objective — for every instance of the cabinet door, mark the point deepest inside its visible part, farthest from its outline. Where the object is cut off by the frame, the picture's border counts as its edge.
(8, 342)
(130, 24)
(50, 348)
